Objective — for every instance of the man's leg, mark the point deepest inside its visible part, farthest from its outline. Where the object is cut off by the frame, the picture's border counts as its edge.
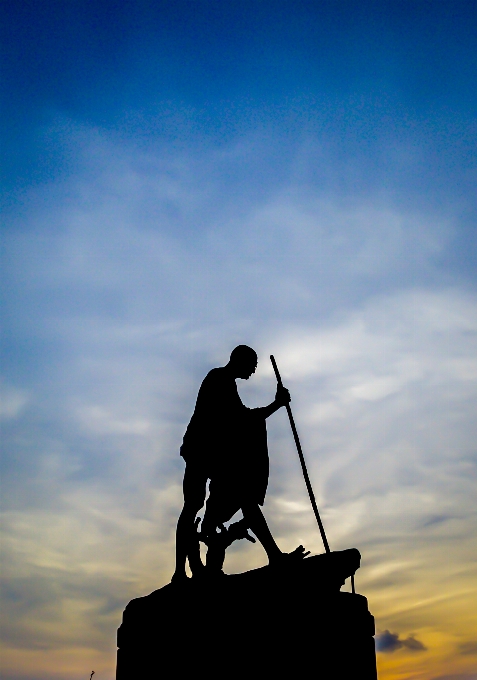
(256, 521)
(194, 489)
(219, 509)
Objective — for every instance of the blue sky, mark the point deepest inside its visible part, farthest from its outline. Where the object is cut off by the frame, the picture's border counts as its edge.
(183, 177)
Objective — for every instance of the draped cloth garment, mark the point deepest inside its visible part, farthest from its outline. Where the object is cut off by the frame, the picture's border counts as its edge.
(228, 441)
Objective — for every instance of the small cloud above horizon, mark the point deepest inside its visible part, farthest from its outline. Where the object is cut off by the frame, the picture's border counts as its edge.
(390, 642)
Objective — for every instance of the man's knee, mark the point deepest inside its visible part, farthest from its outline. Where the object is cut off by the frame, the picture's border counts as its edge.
(194, 488)
(192, 506)
(250, 508)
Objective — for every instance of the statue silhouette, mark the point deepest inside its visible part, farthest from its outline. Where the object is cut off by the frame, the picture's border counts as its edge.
(267, 622)
(226, 443)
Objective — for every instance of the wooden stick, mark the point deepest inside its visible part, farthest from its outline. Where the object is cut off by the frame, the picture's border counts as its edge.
(302, 461)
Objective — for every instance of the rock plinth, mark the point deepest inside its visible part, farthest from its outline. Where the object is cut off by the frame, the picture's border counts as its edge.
(264, 623)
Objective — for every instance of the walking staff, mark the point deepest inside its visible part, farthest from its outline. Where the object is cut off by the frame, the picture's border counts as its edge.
(302, 460)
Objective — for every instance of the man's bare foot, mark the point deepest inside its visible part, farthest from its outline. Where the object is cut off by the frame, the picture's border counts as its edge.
(286, 559)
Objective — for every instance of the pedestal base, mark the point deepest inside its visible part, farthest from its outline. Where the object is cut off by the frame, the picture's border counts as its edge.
(253, 625)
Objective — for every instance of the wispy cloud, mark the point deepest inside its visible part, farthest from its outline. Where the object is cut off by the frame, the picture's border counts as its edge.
(129, 282)
(468, 647)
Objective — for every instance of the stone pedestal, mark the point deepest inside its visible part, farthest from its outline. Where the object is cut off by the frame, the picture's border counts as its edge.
(263, 623)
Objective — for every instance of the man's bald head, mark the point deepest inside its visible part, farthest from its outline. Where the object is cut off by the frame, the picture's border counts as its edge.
(243, 361)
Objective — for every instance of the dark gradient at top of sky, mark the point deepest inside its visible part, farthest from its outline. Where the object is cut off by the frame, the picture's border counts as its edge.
(228, 65)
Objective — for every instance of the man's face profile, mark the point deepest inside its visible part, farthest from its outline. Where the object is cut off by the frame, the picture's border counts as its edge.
(244, 361)
(248, 368)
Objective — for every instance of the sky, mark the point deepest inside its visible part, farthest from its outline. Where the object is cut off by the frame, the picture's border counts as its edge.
(182, 177)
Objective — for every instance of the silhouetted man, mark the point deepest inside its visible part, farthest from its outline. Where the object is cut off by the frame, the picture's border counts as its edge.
(226, 442)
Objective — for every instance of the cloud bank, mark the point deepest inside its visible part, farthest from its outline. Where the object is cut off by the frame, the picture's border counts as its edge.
(138, 273)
